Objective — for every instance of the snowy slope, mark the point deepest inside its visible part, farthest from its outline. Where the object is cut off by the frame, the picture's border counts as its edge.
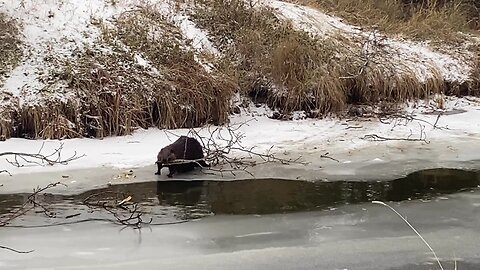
(409, 56)
(62, 27)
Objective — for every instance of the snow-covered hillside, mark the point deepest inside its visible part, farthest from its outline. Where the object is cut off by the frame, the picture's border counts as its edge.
(62, 28)
(54, 30)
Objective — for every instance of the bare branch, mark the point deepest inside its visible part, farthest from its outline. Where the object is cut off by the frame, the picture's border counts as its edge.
(5, 171)
(29, 204)
(15, 250)
(219, 144)
(378, 138)
(20, 159)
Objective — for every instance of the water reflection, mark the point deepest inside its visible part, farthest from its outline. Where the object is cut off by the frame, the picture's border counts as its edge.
(191, 199)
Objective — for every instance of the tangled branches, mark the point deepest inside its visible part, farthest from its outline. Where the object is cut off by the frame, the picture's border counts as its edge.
(125, 212)
(225, 152)
(30, 204)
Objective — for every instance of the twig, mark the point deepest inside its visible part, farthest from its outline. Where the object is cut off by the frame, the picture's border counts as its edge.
(5, 171)
(438, 118)
(90, 220)
(15, 250)
(326, 155)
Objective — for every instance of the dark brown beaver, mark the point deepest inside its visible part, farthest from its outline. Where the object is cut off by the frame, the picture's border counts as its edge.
(186, 148)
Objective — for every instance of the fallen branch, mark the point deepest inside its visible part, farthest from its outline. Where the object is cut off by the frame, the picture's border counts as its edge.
(410, 118)
(125, 212)
(378, 138)
(222, 141)
(326, 155)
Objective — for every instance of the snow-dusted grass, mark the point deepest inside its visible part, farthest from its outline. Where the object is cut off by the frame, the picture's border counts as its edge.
(344, 139)
(408, 57)
(134, 65)
(101, 68)
(438, 21)
(309, 61)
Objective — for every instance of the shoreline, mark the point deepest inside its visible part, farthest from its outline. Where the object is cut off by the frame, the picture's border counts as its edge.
(452, 142)
(361, 166)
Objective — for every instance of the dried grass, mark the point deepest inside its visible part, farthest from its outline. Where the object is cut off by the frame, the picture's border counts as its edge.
(114, 93)
(291, 70)
(437, 20)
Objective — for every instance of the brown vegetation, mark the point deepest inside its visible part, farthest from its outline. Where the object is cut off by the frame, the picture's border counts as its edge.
(292, 70)
(437, 20)
(141, 72)
(115, 93)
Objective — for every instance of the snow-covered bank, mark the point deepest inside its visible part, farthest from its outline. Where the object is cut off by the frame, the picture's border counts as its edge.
(454, 142)
(407, 56)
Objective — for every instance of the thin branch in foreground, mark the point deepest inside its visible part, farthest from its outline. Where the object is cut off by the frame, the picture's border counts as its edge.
(414, 230)
(15, 250)
(5, 171)
(24, 208)
(20, 159)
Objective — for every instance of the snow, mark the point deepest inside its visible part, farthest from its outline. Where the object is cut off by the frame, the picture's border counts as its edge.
(455, 138)
(55, 29)
(198, 36)
(408, 56)
(359, 236)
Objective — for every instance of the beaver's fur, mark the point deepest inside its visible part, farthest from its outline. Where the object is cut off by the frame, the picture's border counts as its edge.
(186, 148)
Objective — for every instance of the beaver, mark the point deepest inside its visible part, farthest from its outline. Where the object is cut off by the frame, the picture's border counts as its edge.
(186, 148)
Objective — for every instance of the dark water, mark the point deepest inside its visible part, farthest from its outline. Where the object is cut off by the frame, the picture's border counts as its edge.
(191, 199)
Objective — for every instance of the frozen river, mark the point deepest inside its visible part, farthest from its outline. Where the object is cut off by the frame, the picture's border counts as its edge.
(256, 224)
